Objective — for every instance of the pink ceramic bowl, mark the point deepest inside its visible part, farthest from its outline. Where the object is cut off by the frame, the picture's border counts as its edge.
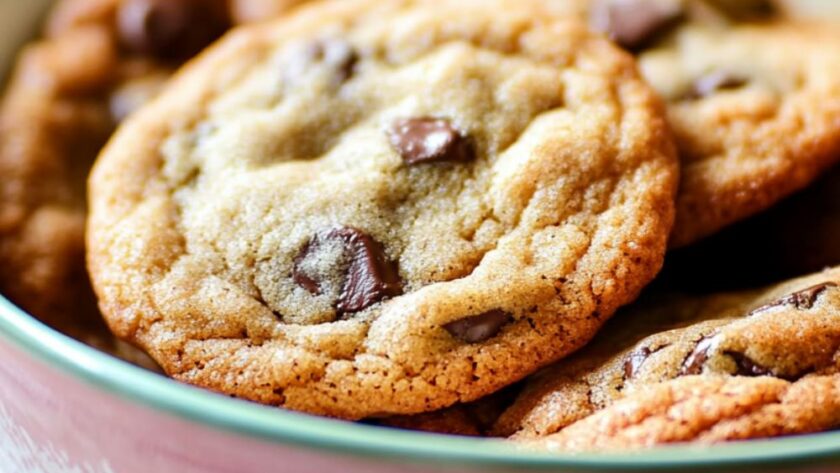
(65, 407)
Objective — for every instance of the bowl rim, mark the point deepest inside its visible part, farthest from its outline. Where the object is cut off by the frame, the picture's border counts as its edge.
(137, 385)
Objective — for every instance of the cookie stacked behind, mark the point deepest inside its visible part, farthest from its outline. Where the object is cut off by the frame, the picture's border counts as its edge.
(97, 62)
(752, 96)
(372, 208)
(67, 93)
(753, 104)
(756, 120)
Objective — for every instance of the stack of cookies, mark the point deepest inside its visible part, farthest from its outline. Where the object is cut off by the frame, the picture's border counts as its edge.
(424, 213)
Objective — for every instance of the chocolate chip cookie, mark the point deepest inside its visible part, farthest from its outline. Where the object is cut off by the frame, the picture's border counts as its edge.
(372, 208)
(97, 61)
(705, 410)
(788, 336)
(754, 110)
(753, 105)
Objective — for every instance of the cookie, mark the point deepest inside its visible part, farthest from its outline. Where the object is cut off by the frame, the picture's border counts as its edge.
(705, 410)
(373, 208)
(754, 111)
(753, 105)
(97, 61)
(789, 335)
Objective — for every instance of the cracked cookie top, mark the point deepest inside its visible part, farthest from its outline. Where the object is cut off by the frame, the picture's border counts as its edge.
(790, 332)
(373, 208)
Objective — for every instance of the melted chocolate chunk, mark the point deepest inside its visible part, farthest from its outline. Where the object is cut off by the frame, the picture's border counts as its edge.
(478, 328)
(171, 29)
(427, 140)
(369, 276)
(634, 24)
(746, 366)
(715, 81)
(635, 361)
(693, 363)
(801, 300)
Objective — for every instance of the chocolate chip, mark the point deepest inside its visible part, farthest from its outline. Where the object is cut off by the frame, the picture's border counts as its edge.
(341, 56)
(478, 328)
(635, 361)
(746, 366)
(371, 276)
(367, 278)
(693, 363)
(426, 140)
(801, 300)
(633, 24)
(715, 81)
(171, 29)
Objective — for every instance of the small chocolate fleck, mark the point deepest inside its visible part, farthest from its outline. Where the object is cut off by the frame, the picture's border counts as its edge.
(426, 140)
(715, 81)
(342, 57)
(338, 55)
(634, 24)
(746, 366)
(171, 29)
(635, 361)
(801, 300)
(478, 328)
(369, 276)
(693, 363)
